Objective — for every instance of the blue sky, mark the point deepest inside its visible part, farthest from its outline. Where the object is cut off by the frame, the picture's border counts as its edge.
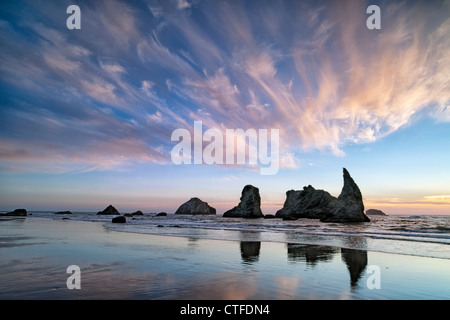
(87, 115)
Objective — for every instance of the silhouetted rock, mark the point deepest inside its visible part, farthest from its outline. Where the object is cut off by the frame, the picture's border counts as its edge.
(269, 216)
(290, 218)
(375, 212)
(119, 219)
(18, 212)
(195, 206)
(137, 213)
(249, 206)
(110, 210)
(311, 254)
(161, 214)
(319, 204)
(350, 206)
(63, 212)
(307, 203)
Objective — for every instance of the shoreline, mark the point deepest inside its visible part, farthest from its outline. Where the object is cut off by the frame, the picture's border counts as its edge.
(120, 265)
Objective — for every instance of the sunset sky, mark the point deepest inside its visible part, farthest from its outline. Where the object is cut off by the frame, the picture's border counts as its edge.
(87, 115)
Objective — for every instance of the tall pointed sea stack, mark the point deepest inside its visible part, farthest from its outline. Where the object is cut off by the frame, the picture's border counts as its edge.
(350, 206)
(249, 206)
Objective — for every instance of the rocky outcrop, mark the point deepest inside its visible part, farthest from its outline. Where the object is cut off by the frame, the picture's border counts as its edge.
(319, 204)
(18, 213)
(63, 212)
(119, 219)
(350, 206)
(137, 213)
(195, 206)
(307, 203)
(375, 212)
(110, 210)
(161, 214)
(249, 206)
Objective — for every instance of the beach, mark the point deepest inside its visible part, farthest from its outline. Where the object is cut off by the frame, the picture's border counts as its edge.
(36, 252)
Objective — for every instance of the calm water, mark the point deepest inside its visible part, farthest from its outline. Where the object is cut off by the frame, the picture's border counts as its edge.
(35, 252)
(427, 236)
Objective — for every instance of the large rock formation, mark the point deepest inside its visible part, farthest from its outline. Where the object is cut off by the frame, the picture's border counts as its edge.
(307, 203)
(350, 206)
(319, 204)
(110, 210)
(249, 206)
(195, 206)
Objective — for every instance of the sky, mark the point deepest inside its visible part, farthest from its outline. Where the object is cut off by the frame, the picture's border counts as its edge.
(88, 115)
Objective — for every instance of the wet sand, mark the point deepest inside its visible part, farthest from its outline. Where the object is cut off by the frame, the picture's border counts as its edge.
(35, 254)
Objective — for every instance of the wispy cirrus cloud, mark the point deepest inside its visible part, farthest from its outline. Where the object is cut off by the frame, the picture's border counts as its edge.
(135, 72)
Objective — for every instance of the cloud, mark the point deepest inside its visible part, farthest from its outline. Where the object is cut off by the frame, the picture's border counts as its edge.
(183, 4)
(316, 73)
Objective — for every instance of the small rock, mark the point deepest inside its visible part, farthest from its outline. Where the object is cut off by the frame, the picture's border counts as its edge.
(375, 212)
(63, 212)
(119, 219)
(18, 212)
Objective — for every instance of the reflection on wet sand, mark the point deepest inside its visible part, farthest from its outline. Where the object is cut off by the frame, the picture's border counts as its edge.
(356, 261)
(312, 255)
(250, 251)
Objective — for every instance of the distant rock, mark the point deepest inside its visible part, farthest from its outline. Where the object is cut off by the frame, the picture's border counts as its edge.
(307, 203)
(18, 213)
(249, 206)
(119, 219)
(63, 212)
(269, 216)
(349, 206)
(195, 206)
(161, 214)
(375, 212)
(110, 210)
(137, 213)
(290, 218)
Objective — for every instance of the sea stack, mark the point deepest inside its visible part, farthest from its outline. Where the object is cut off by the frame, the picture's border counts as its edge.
(110, 210)
(195, 206)
(349, 206)
(249, 206)
(307, 203)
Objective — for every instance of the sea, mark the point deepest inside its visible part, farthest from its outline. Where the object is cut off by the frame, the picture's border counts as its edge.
(418, 235)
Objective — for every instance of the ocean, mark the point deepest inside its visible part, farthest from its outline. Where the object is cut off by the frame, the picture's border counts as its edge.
(419, 235)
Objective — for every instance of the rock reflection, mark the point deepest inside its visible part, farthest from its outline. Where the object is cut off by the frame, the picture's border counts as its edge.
(250, 251)
(356, 261)
(311, 254)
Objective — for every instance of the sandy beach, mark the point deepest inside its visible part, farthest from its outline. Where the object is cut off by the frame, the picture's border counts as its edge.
(36, 252)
